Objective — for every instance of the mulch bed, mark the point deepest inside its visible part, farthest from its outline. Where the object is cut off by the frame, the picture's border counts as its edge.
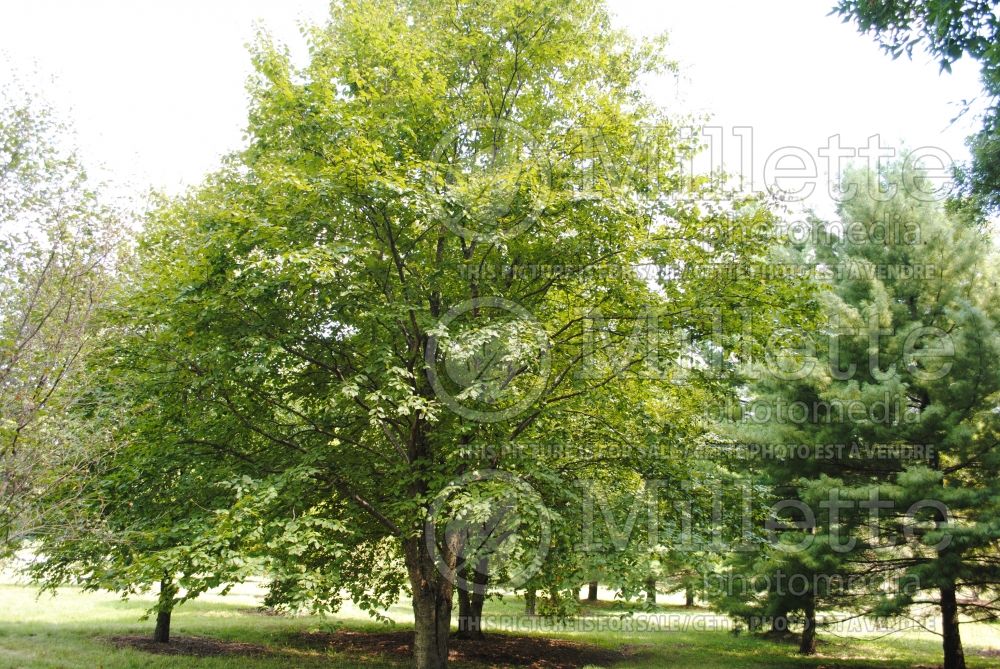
(496, 650)
(198, 646)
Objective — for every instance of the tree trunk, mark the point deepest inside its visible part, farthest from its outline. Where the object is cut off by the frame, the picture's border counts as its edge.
(954, 656)
(592, 591)
(432, 595)
(651, 590)
(808, 644)
(476, 617)
(464, 612)
(164, 607)
(951, 639)
(554, 598)
(162, 632)
(464, 602)
(689, 596)
(530, 599)
(471, 599)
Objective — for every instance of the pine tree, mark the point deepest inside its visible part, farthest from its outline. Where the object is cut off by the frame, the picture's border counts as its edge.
(877, 436)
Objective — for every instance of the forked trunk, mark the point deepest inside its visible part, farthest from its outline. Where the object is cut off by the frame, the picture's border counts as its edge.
(592, 591)
(471, 599)
(954, 656)
(475, 624)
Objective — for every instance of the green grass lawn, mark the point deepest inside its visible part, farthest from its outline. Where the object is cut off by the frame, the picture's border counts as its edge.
(73, 629)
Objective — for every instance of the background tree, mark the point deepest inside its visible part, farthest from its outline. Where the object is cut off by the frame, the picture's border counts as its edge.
(142, 511)
(949, 30)
(945, 355)
(889, 466)
(59, 245)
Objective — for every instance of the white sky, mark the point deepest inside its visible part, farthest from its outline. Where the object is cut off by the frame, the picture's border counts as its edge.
(155, 89)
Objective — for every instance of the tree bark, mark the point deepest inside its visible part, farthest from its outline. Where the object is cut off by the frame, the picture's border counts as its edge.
(592, 591)
(464, 602)
(954, 656)
(951, 638)
(164, 607)
(530, 599)
(689, 596)
(808, 644)
(471, 600)
(162, 632)
(432, 583)
(476, 617)
(464, 612)
(651, 590)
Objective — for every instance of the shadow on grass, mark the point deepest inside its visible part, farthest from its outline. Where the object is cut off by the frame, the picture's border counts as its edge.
(495, 650)
(354, 646)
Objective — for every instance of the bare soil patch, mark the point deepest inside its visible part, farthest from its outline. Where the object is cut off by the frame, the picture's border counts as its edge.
(496, 650)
